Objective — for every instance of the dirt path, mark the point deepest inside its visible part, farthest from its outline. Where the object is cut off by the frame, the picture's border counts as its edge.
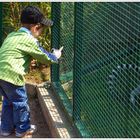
(38, 119)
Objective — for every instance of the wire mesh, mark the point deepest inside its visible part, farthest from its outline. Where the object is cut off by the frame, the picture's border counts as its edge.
(66, 40)
(101, 61)
(55, 39)
(62, 35)
(107, 86)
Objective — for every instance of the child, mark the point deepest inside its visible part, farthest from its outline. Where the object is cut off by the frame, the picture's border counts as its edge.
(15, 56)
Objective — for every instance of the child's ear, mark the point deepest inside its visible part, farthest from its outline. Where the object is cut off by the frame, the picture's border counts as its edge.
(33, 27)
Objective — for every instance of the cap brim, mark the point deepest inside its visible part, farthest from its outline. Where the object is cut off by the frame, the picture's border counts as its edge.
(47, 22)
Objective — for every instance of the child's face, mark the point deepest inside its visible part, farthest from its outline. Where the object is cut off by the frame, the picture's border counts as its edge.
(37, 30)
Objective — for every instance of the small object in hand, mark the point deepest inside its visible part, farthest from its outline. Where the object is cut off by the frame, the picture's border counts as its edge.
(57, 52)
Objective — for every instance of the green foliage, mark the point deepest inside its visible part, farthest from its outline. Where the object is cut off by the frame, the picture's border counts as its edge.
(11, 18)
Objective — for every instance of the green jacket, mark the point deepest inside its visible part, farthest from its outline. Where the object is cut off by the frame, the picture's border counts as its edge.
(15, 56)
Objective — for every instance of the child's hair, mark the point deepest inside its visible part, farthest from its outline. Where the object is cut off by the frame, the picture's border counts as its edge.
(32, 15)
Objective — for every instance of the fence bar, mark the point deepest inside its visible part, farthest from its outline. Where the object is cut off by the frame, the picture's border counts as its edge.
(55, 40)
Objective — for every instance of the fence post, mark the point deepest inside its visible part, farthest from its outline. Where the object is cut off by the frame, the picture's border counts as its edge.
(55, 37)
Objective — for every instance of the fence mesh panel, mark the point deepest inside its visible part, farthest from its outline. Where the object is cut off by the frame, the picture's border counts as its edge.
(105, 66)
(107, 86)
(67, 40)
(64, 37)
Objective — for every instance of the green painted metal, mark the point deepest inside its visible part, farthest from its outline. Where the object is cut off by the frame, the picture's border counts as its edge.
(55, 40)
(66, 77)
(66, 39)
(62, 97)
(102, 59)
(79, 49)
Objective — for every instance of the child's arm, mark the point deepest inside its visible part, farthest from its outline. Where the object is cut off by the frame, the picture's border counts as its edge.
(43, 56)
(50, 55)
(31, 48)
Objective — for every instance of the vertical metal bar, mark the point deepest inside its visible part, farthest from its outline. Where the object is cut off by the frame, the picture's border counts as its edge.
(55, 37)
(78, 44)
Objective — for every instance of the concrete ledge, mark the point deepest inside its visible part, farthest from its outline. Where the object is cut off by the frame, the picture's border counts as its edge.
(55, 117)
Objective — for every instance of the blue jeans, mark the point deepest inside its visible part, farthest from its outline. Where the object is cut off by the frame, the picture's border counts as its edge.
(15, 109)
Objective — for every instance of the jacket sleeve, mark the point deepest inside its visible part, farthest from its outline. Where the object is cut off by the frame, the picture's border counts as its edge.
(50, 55)
(31, 48)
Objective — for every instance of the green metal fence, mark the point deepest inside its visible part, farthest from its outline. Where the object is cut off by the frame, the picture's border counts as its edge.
(63, 35)
(100, 67)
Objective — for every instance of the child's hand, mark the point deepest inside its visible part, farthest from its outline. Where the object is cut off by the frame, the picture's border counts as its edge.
(57, 52)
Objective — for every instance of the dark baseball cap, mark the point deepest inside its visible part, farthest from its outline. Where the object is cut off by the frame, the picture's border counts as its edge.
(33, 15)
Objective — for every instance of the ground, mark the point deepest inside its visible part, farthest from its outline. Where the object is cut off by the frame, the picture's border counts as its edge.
(38, 119)
(37, 76)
